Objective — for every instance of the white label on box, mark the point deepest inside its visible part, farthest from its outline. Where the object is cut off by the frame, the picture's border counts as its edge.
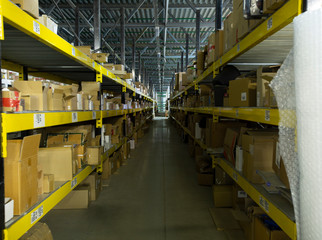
(267, 115)
(73, 51)
(36, 27)
(263, 203)
(243, 96)
(35, 215)
(278, 156)
(269, 23)
(94, 115)
(73, 183)
(39, 120)
(74, 117)
(241, 194)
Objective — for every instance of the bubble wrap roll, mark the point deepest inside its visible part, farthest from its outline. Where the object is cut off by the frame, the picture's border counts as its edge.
(308, 88)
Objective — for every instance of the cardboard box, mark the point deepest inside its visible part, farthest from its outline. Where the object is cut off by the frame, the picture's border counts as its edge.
(79, 198)
(223, 195)
(30, 6)
(94, 182)
(84, 49)
(263, 232)
(258, 153)
(263, 89)
(8, 209)
(200, 60)
(239, 196)
(100, 57)
(106, 169)
(269, 6)
(93, 155)
(11, 100)
(55, 98)
(38, 231)
(230, 141)
(230, 38)
(279, 167)
(48, 183)
(20, 172)
(219, 44)
(270, 99)
(33, 89)
(211, 49)
(181, 78)
(221, 177)
(242, 93)
(205, 179)
(119, 67)
(115, 139)
(40, 180)
(91, 89)
(57, 161)
(47, 22)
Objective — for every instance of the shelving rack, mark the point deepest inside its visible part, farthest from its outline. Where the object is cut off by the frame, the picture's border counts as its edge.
(254, 48)
(26, 46)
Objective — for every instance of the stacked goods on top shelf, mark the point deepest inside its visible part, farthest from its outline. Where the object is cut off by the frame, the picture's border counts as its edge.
(29, 6)
(49, 23)
(98, 57)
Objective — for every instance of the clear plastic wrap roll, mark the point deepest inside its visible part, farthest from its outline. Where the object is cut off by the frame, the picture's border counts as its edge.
(308, 86)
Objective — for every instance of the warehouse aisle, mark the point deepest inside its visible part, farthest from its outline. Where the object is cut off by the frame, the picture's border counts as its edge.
(155, 196)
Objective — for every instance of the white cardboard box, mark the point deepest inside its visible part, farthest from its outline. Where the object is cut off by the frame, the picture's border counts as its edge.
(8, 209)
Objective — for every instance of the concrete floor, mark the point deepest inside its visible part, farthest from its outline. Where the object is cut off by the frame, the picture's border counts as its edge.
(154, 197)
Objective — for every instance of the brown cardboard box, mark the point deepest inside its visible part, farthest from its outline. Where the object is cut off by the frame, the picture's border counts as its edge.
(57, 161)
(181, 79)
(271, 5)
(230, 141)
(279, 167)
(30, 6)
(239, 196)
(221, 177)
(205, 179)
(11, 100)
(84, 49)
(119, 67)
(115, 139)
(230, 38)
(94, 182)
(261, 231)
(219, 44)
(91, 88)
(20, 172)
(40, 180)
(33, 89)
(223, 195)
(263, 89)
(200, 60)
(48, 183)
(106, 169)
(211, 49)
(93, 155)
(100, 57)
(240, 23)
(77, 199)
(258, 152)
(242, 93)
(270, 99)
(37, 232)
(55, 98)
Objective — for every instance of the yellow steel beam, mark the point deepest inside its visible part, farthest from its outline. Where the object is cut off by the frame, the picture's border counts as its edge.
(288, 226)
(24, 223)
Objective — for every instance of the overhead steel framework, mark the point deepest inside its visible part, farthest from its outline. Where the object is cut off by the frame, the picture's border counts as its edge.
(155, 33)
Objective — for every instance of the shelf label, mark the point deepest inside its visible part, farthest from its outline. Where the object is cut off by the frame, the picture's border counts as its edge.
(36, 27)
(74, 117)
(220, 61)
(73, 183)
(94, 115)
(73, 51)
(238, 47)
(269, 24)
(267, 115)
(39, 120)
(93, 64)
(237, 114)
(235, 176)
(35, 215)
(263, 203)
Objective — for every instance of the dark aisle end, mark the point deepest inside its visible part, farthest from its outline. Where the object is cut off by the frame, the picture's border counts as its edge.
(154, 197)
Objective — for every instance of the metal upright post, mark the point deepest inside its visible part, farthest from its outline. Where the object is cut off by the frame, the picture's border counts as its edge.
(97, 25)
(182, 61)
(133, 58)
(178, 69)
(77, 43)
(25, 73)
(187, 50)
(218, 20)
(197, 31)
(139, 73)
(123, 36)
